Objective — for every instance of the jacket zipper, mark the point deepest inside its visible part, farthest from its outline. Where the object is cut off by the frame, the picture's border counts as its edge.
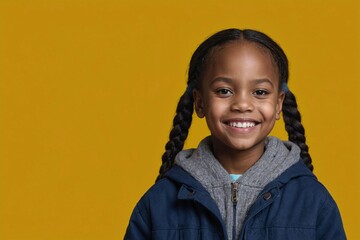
(234, 200)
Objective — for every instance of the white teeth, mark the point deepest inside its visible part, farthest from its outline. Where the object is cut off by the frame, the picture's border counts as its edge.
(242, 124)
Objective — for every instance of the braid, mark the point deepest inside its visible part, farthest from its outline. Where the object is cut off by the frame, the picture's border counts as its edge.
(295, 129)
(179, 132)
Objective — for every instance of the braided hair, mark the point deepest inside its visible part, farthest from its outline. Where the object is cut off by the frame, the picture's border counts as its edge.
(185, 107)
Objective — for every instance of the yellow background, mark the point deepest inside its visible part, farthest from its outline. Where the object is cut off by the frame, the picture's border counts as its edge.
(88, 90)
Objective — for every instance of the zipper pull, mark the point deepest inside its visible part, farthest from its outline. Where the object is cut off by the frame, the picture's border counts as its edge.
(234, 192)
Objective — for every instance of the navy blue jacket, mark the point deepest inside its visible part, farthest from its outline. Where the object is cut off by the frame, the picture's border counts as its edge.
(293, 206)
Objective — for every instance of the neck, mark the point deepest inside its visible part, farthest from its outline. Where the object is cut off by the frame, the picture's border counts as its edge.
(237, 161)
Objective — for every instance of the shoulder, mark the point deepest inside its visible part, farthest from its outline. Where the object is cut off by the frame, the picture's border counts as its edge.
(305, 198)
(300, 179)
(156, 210)
(299, 204)
(308, 195)
(162, 191)
(170, 204)
(312, 202)
(298, 183)
(170, 184)
(167, 191)
(298, 190)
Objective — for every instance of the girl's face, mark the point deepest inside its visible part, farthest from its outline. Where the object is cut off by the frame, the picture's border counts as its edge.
(239, 97)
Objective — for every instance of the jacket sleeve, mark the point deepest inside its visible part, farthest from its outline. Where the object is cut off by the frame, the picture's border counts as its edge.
(139, 226)
(329, 223)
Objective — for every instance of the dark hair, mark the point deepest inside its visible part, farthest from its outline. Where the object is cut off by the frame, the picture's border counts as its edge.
(185, 107)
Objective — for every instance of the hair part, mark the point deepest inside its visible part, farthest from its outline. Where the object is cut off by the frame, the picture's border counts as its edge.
(185, 108)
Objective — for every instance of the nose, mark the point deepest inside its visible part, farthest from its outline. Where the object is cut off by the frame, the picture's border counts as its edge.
(242, 102)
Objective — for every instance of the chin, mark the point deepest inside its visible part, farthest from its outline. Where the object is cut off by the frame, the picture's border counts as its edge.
(246, 145)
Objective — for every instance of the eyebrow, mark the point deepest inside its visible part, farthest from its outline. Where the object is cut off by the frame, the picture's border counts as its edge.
(263, 80)
(230, 80)
(221, 79)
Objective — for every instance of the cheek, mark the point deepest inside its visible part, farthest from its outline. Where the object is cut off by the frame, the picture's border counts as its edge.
(214, 112)
(215, 107)
(268, 110)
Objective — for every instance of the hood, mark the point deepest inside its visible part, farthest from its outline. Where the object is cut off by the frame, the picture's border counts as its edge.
(204, 167)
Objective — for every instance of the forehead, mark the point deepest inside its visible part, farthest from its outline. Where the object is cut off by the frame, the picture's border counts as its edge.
(241, 59)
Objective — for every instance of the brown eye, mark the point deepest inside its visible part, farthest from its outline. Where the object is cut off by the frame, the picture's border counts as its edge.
(260, 92)
(224, 92)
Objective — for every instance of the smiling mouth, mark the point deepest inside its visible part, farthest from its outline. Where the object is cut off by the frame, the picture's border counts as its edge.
(242, 124)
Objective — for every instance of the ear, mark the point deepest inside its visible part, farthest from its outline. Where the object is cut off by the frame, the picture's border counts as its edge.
(279, 104)
(199, 103)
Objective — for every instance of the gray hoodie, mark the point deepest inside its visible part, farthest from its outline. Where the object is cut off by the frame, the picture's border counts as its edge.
(204, 167)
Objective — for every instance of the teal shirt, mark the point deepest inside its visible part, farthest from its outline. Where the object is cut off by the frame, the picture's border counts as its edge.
(235, 177)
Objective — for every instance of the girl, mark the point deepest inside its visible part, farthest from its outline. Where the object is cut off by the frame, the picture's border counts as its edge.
(239, 183)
